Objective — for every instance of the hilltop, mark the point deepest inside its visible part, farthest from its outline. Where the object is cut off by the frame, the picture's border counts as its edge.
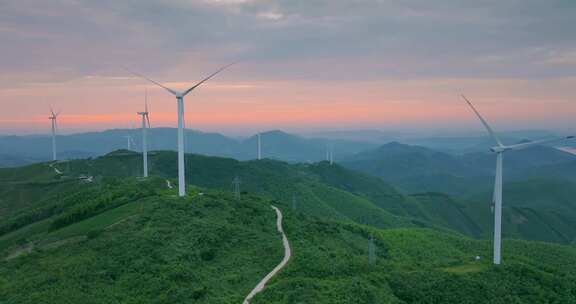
(319, 189)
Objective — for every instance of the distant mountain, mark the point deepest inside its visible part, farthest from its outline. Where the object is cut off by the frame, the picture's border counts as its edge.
(565, 170)
(395, 161)
(19, 150)
(420, 169)
(372, 136)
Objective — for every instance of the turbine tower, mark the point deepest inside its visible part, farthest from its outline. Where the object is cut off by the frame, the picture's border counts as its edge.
(499, 149)
(259, 146)
(180, 100)
(129, 142)
(145, 126)
(53, 120)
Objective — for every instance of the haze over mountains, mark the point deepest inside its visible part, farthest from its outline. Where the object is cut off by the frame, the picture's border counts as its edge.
(21, 150)
(419, 169)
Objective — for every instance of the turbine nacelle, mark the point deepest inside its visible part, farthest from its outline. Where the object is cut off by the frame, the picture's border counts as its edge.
(499, 149)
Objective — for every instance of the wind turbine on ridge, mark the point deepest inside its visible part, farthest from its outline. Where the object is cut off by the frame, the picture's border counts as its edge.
(145, 126)
(53, 120)
(500, 149)
(259, 146)
(180, 100)
(129, 142)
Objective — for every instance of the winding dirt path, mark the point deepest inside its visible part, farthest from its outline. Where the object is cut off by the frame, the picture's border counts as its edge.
(287, 255)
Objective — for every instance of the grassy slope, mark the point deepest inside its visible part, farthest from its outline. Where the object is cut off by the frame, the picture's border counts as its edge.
(212, 248)
(274, 179)
(205, 249)
(331, 192)
(535, 209)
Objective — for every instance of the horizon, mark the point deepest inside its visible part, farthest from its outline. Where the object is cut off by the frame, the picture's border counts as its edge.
(308, 66)
(322, 133)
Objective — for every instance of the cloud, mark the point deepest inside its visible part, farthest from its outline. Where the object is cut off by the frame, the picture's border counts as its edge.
(68, 39)
(326, 43)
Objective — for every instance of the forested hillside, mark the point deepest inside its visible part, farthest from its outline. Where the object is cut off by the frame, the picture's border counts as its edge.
(124, 239)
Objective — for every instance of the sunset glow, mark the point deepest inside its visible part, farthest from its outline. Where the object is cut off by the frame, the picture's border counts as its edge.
(381, 80)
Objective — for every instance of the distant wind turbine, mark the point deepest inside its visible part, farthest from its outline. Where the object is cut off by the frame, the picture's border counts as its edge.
(180, 100)
(259, 146)
(53, 119)
(499, 149)
(145, 126)
(129, 142)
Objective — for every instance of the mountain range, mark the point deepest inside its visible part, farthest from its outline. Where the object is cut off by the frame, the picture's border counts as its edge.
(421, 169)
(22, 150)
(310, 147)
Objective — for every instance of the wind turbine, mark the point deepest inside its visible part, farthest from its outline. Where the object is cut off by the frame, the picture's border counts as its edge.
(500, 149)
(259, 146)
(180, 100)
(145, 125)
(53, 120)
(129, 142)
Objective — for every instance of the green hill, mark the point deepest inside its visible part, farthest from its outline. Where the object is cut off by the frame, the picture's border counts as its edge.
(418, 169)
(273, 179)
(326, 191)
(537, 209)
(127, 240)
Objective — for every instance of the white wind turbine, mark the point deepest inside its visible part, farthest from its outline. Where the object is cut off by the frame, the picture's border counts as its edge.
(145, 126)
(499, 149)
(330, 153)
(180, 100)
(129, 142)
(53, 119)
(259, 146)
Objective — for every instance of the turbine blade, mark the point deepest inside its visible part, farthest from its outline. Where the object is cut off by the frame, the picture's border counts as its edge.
(52, 110)
(492, 133)
(150, 80)
(148, 120)
(207, 78)
(536, 142)
(146, 101)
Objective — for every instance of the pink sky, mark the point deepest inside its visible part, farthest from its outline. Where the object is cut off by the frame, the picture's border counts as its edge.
(304, 65)
(238, 107)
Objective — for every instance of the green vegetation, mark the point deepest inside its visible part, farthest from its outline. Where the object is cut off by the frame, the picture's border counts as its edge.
(122, 239)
